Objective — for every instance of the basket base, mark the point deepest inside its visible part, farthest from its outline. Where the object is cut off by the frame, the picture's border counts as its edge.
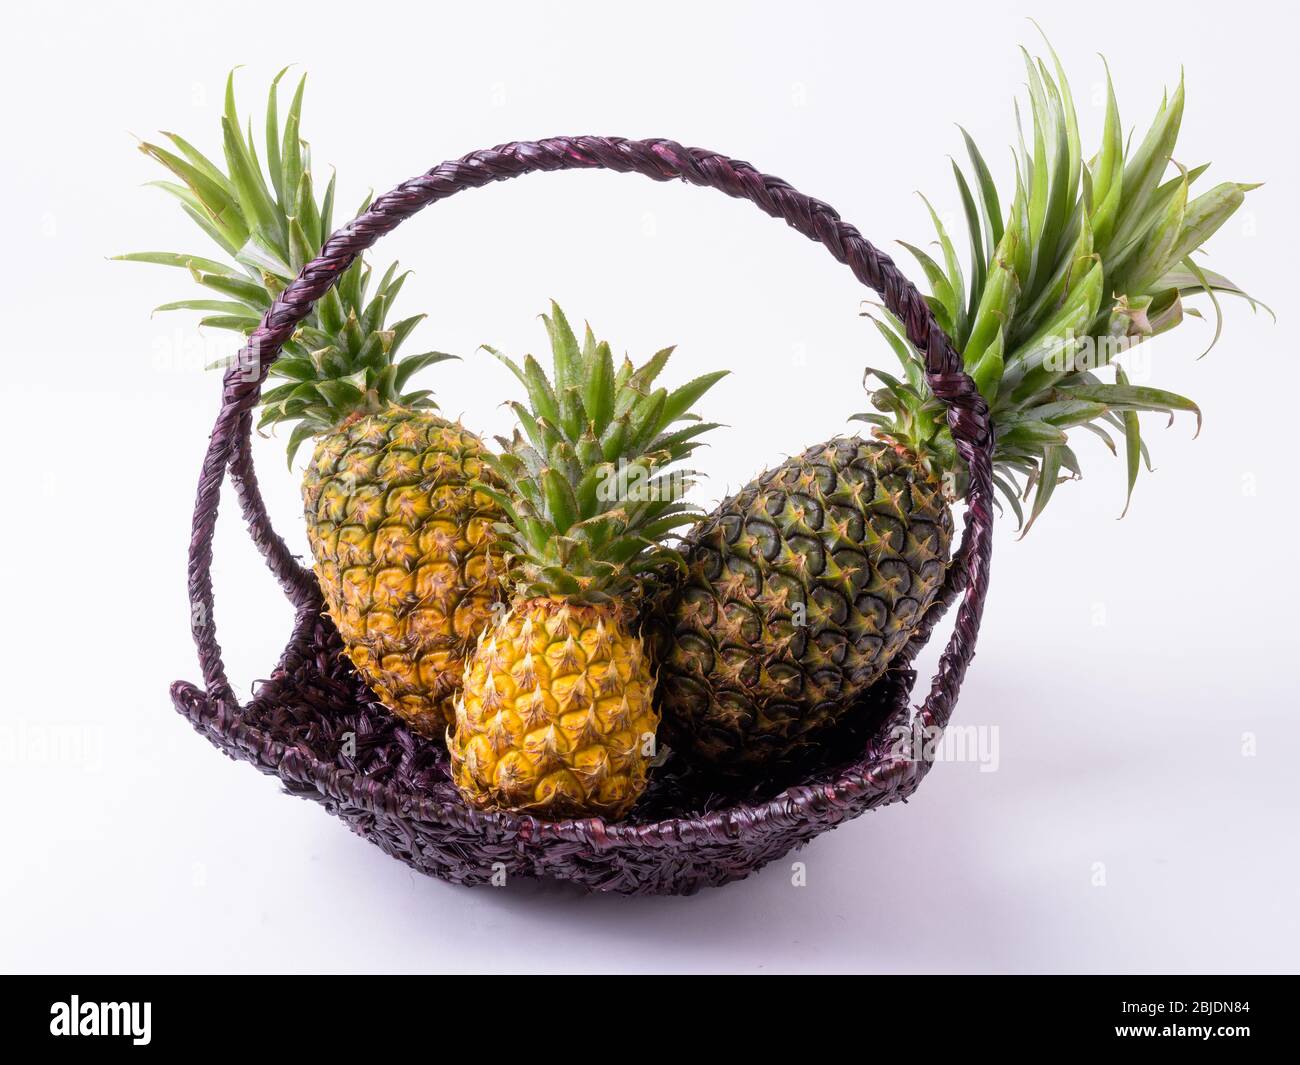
(316, 726)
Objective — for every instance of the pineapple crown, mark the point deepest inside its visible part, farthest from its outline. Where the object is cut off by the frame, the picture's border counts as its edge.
(267, 221)
(1093, 257)
(585, 485)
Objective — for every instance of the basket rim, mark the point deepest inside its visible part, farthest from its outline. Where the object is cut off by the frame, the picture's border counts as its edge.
(863, 777)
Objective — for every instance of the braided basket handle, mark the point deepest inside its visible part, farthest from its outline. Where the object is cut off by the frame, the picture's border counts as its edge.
(661, 160)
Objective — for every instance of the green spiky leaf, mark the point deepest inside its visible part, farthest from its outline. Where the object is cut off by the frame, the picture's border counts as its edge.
(589, 474)
(262, 213)
(1093, 255)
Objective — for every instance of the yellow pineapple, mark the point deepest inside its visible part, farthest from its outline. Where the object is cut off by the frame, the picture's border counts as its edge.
(557, 711)
(556, 714)
(404, 553)
(403, 546)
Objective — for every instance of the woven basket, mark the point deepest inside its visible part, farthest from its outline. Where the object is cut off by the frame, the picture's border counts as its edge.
(316, 726)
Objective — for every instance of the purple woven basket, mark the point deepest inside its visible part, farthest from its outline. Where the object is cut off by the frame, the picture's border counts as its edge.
(316, 726)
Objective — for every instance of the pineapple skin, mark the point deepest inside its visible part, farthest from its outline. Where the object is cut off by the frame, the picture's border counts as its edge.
(556, 715)
(852, 531)
(404, 554)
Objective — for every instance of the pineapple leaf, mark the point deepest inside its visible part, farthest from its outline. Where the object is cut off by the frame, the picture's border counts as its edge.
(944, 298)
(412, 364)
(192, 263)
(953, 274)
(678, 402)
(201, 163)
(991, 212)
(235, 323)
(599, 398)
(1130, 397)
(327, 210)
(221, 306)
(1132, 442)
(267, 220)
(273, 142)
(246, 292)
(1093, 254)
(252, 197)
(220, 204)
(302, 431)
(589, 470)
(978, 264)
(1048, 478)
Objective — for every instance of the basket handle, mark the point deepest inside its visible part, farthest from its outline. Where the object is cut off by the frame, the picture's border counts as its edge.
(660, 160)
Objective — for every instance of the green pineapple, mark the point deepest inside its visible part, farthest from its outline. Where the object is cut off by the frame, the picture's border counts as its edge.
(806, 584)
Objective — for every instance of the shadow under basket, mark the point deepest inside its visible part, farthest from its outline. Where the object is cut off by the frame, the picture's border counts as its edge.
(316, 726)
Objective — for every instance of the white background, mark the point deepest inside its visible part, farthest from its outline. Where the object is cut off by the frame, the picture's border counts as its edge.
(1124, 664)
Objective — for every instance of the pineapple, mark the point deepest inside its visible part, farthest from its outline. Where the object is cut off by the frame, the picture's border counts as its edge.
(402, 544)
(404, 550)
(556, 715)
(801, 588)
(805, 585)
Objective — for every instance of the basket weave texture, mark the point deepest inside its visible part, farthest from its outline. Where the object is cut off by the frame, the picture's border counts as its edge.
(316, 726)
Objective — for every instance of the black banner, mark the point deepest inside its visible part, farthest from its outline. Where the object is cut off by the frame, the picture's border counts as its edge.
(335, 1013)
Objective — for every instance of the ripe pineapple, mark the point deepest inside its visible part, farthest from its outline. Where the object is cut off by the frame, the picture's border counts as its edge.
(402, 543)
(404, 551)
(804, 585)
(556, 715)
